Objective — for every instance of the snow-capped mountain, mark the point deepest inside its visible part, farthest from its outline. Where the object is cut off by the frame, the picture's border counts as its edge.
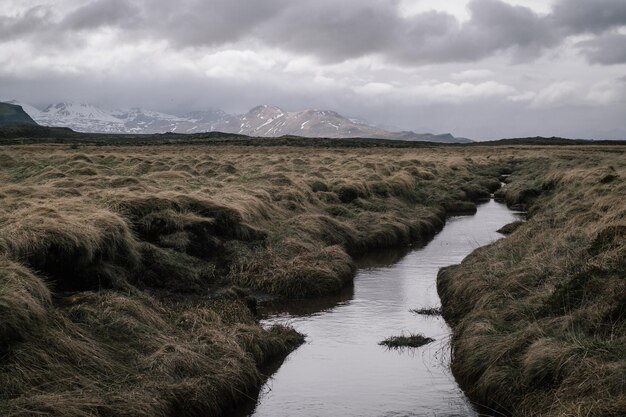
(79, 117)
(144, 121)
(272, 121)
(267, 121)
(211, 120)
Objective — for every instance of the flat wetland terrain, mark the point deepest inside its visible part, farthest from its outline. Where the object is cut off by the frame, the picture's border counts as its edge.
(129, 275)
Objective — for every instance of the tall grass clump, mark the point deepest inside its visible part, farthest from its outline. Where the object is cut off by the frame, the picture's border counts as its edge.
(116, 261)
(24, 303)
(538, 318)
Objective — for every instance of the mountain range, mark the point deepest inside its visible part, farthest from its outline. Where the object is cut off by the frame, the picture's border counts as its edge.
(265, 121)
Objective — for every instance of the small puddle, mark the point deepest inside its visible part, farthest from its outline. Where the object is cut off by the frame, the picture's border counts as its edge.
(342, 371)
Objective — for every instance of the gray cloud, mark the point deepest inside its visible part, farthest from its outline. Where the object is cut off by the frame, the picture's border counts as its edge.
(208, 23)
(334, 30)
(597, 16)
(494, 26)
(489, 120)
(339, 30)
(606, 49)
(118, 13)
(175, 56)
(34, 21)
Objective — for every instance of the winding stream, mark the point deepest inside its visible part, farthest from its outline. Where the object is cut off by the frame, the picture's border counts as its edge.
(342, 371)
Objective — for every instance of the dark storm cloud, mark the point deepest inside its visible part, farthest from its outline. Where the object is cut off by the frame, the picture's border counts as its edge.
(599, 17)
(102, 13)
(606, 49)
(494, 26)
(338, 31)
(183, 23)
(334, 31)
(595, 16)
(208, 23)
(34, 21)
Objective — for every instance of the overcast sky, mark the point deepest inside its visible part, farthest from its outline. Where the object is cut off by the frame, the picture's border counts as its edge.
(478, 68)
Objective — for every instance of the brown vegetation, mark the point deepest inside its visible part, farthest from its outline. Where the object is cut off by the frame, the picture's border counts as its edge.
(539, 318)
(118, 266)
(406, 341)
(126, 272)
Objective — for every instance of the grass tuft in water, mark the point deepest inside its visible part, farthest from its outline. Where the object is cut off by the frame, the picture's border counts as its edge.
(430, 311)
(402, 341)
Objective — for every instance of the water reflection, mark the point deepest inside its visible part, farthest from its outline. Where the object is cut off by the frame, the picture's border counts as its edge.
(384, 257)
(273, 310)
(342, 371)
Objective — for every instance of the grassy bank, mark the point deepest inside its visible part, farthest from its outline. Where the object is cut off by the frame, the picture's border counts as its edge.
(126, 272)
(539, 318)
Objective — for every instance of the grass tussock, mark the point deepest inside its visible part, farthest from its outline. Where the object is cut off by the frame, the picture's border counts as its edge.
(406, 341)
(113, 354)
(539, 318)
(24, 302)
(430, 311)
(126, 273)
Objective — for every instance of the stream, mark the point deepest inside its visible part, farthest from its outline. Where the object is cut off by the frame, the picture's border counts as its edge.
(342, 371)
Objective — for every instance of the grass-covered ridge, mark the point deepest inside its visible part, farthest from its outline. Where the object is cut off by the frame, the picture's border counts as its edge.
(539, 318)
(126, 272)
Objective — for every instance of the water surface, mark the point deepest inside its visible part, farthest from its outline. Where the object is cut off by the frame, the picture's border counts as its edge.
(342, 371)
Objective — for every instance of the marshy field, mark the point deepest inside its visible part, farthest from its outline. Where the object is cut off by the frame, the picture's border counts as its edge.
(130, 276)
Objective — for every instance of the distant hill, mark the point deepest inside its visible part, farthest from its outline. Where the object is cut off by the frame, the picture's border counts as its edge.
(11, 114)
(261, 121)
(554, 140)
(270, 121)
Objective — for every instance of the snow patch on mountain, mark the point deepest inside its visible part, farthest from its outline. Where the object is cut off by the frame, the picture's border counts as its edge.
(264, 120)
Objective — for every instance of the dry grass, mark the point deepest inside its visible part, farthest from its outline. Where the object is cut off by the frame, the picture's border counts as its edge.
(406, 341)
(113, 354)
(110, 258)
(267, 218)
(539, 318)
